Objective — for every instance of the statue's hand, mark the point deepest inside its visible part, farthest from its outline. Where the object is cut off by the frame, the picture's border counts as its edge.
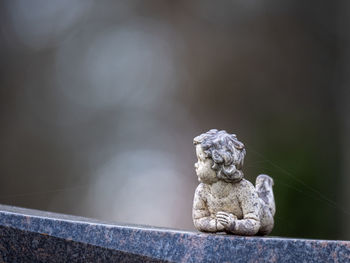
(227, 220)
(219, 226)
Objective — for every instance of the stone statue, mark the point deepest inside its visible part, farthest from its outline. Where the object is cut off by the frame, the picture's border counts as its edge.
(224, 201)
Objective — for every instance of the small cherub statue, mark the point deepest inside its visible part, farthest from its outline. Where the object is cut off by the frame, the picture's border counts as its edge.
(224, 201)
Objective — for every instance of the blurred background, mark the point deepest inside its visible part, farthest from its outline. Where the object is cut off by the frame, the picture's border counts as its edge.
(100, 101)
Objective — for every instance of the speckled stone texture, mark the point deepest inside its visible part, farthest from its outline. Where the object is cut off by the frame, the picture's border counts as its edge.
(34, 236)
(224, 201)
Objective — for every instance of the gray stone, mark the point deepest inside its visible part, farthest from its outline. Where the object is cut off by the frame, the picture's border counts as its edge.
(35, 236)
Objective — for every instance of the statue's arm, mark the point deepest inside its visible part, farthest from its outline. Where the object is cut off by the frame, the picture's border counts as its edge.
(200, 213)
(250, 223)
(248, 226)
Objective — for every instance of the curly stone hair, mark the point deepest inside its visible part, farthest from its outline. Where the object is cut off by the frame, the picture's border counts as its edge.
(226, 151)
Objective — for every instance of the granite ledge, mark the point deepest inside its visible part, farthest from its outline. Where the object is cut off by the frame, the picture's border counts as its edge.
(35, 236)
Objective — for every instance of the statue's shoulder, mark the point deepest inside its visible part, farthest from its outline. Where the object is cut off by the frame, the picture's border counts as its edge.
(245, 185)
(202, 188)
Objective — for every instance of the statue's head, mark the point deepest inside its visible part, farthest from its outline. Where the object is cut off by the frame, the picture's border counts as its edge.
(220, 157)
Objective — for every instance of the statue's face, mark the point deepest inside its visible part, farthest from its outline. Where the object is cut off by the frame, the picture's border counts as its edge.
(203, 167)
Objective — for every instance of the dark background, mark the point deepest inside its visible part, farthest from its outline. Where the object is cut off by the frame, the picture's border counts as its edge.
(100, 101)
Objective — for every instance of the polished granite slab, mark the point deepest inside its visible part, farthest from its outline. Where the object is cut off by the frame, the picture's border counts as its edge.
(28, 235)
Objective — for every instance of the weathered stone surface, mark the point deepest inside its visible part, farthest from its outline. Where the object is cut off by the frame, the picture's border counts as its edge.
(224, 201)
(34, 236)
